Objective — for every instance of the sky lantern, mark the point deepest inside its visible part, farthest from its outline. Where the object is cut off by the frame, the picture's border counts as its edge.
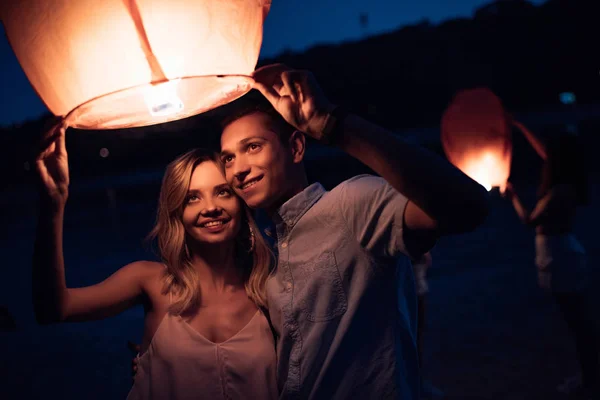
(476, 137)
(121, 63)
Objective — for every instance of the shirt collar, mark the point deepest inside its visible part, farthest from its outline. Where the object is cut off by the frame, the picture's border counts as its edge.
(293, 209)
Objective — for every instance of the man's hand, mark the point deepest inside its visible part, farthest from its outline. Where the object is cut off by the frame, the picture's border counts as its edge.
(297, 96)
(135, 349)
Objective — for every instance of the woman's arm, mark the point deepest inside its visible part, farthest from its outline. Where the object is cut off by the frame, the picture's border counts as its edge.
(522, 212)
(52, 300)
(48, 280)
(117, 293)
(559, 200)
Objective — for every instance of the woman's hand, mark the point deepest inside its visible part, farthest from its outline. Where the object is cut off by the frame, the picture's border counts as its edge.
(52, 166)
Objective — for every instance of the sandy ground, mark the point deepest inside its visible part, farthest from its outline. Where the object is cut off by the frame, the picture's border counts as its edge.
(492, 334)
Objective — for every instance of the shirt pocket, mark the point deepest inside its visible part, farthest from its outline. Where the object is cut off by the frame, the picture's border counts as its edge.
(323, 297)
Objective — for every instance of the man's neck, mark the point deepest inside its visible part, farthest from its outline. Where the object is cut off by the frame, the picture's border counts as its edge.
(292, 191)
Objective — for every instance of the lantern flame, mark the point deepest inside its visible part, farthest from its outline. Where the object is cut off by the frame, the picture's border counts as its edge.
(486, 170)
(162, 99)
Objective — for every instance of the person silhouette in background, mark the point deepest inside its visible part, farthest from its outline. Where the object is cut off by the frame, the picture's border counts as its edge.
(560, 258)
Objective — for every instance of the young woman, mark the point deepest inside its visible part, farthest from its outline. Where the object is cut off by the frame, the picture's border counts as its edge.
(560, 257)
(205, 335)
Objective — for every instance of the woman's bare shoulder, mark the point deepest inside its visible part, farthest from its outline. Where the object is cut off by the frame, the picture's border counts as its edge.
(151, 277)
(147, 271)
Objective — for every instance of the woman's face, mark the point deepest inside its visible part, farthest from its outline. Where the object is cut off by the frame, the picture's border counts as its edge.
(212, 212)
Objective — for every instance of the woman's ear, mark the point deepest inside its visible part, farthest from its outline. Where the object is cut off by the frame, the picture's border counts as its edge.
(298, 146)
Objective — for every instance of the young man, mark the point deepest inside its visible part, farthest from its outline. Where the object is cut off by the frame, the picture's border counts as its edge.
(342, 297)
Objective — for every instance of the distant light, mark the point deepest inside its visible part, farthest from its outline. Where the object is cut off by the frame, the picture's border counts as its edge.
(104, 152)
(567, 97)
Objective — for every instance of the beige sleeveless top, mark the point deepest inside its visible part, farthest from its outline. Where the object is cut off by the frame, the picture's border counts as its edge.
(180, 363)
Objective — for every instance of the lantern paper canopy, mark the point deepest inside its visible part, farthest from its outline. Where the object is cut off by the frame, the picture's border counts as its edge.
(476, 137)
(122, 63)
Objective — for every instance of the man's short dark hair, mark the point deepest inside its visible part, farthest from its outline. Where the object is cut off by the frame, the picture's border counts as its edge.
(255, 102)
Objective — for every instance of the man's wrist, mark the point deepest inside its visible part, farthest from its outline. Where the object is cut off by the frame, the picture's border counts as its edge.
(334, 125)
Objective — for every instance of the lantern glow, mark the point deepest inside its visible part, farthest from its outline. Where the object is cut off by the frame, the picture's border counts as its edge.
(476, 137)
(486, 169)
(162, 99)
(124, 63)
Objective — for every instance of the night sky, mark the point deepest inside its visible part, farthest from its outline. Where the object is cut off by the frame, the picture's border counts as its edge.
(291, 25)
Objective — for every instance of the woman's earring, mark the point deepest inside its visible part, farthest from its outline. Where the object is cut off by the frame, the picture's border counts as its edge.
(252, 239)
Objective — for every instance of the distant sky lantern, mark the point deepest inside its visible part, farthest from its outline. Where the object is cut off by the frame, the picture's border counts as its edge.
(122, 63)
(476, 137)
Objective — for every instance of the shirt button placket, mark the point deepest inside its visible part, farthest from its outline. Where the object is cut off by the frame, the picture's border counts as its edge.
(292, 326)
(284, 256)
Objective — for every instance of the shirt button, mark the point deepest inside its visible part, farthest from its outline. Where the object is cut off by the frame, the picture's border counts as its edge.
(284, 245)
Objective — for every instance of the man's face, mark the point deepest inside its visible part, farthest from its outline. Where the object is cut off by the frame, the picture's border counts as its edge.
(256, 162)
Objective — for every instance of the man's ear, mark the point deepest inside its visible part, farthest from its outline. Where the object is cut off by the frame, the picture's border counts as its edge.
(298, 145)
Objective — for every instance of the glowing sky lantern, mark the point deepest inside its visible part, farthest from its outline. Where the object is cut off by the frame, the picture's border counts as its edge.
(476, 137)
(122, 63)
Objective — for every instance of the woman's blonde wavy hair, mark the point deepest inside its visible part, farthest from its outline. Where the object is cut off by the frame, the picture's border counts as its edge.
(180, 278)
